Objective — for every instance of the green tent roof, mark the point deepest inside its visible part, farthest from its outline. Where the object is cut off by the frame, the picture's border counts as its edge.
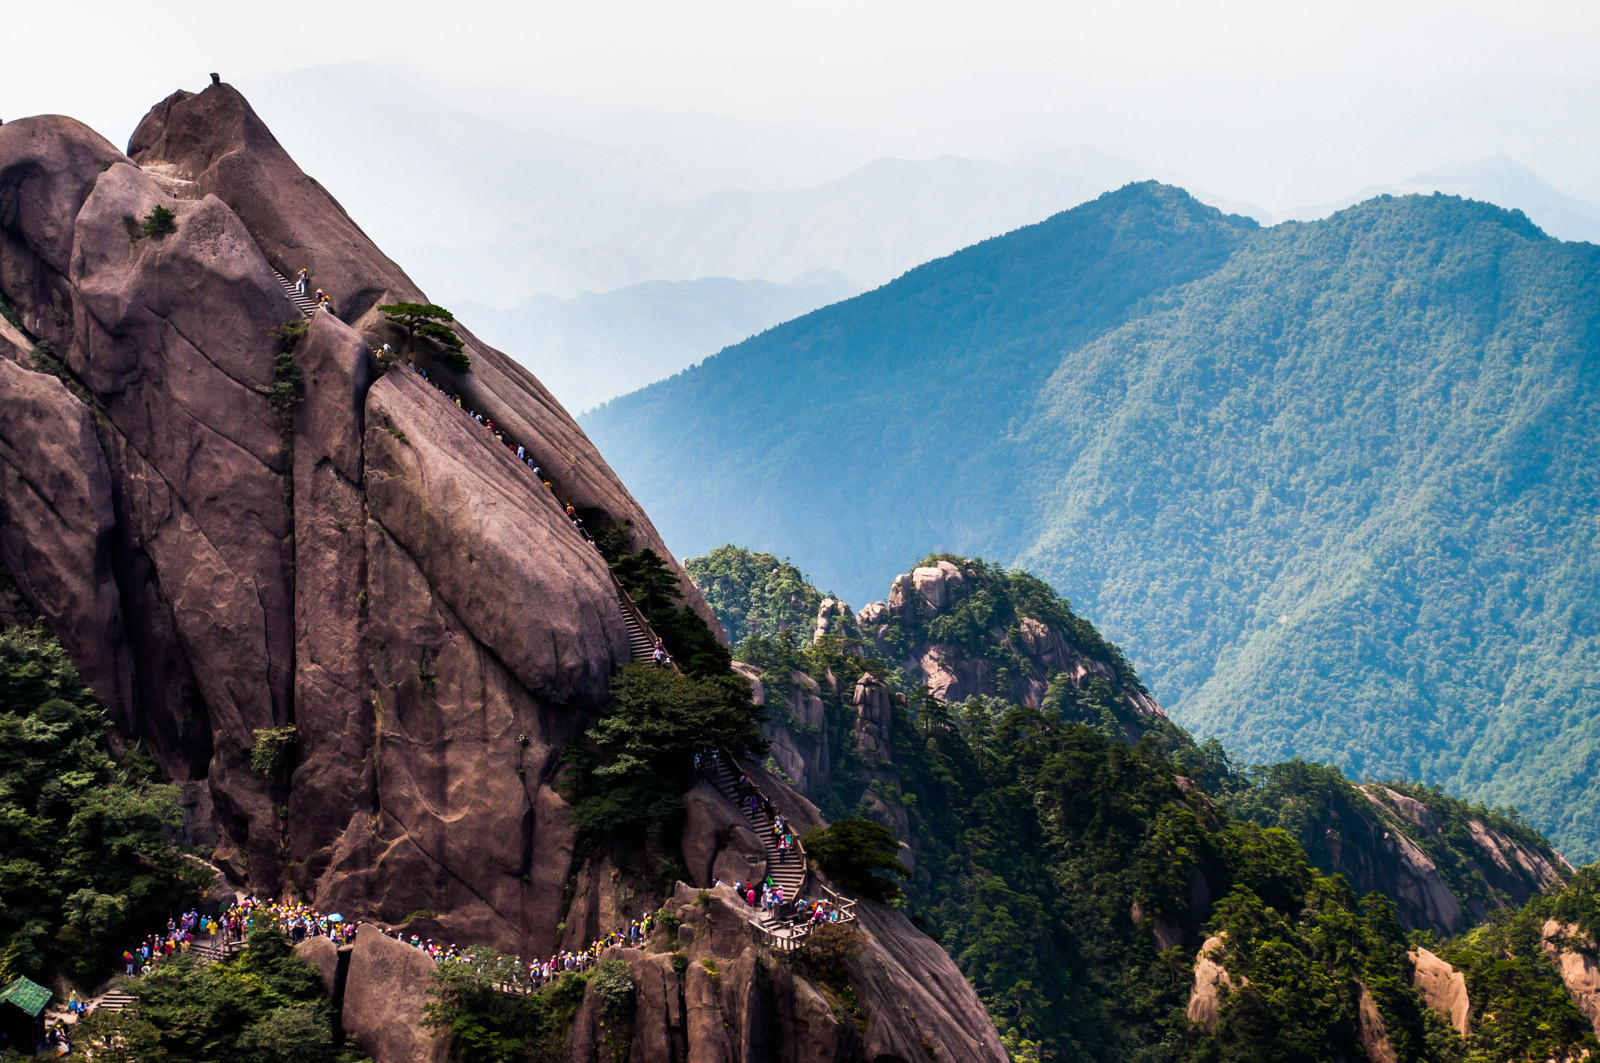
(29, 996)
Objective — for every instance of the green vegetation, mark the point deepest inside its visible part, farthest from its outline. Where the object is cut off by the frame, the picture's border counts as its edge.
(653, 586)
(86, 858)
(9, 311)
(158, 223)
(272, 750)
(1520, 1009)
(266, 1005)
(1072, 878)
(754, 594)
(860, 855)
(431, 322)
(492, 1027)
(995, 601)
(284, 391)
(639, 758)
(1326, 482)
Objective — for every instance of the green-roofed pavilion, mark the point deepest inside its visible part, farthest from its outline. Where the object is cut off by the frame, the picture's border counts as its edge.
(31, 997)
(21, 1025)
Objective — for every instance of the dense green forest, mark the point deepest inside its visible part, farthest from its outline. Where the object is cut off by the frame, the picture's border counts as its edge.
(1072, 877)
(1330, 485)
(87, 861)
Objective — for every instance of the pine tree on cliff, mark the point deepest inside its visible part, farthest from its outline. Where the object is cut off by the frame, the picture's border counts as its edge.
(432, 321)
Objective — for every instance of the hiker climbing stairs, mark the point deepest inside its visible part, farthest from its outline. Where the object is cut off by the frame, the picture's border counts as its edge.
(302, 301)
(786, 869)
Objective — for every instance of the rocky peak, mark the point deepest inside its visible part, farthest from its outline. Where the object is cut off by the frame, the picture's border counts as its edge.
(920, 627)
(365, 565)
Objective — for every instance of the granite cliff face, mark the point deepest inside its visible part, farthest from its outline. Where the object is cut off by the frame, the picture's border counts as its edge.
(368, 567)
(364, 565)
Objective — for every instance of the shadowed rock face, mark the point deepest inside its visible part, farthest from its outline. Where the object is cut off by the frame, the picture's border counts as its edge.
(370, 567)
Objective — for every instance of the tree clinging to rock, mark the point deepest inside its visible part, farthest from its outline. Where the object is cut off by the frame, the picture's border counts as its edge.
(432, 321)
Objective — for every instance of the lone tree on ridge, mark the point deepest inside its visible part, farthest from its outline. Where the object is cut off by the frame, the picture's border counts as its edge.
(426, 319)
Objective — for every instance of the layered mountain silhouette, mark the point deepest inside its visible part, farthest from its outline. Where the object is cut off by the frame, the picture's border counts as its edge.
(1331, 485)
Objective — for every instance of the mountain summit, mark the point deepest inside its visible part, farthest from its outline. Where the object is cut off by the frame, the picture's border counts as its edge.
(1330, 485)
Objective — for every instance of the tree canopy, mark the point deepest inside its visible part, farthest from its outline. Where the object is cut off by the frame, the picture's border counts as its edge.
(431, 322)
(87, 862)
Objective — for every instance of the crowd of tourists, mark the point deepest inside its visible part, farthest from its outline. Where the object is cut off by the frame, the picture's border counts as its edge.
(747, 794)
(298, 922)
(537, 973)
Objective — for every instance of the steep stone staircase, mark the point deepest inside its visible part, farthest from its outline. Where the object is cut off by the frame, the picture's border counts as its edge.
(302, 301)
(786, 869)
(640, 641)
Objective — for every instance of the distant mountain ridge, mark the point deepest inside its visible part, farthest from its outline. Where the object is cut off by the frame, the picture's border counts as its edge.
(596, 346)
(1329, 484)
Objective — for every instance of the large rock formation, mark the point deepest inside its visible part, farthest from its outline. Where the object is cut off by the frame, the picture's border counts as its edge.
(1212, 983)
(384, 991)
(364, 563)
(1443, 988)
(712, 992)
(1577, 957)
(1018, 665)
(368, 566)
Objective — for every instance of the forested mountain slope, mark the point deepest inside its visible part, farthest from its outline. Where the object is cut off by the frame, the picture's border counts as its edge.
(1330, 485)
(1045, 801)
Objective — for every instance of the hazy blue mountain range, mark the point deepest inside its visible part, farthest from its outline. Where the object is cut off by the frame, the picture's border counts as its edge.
(511, 199)
(1331, 485)
(596, 346)
(1499, 180)
(512, 207)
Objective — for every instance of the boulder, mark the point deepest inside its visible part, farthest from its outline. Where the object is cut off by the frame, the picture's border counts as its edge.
(1211, 983)
(384, 991)
(1443, 988)
(1575, 957)
(903, 597)
(1370, 1030)
(873, 614)
(936, 586)
(833, 618)
(718, 842)
(322, 954)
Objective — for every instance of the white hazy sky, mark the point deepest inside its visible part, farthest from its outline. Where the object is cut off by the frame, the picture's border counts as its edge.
(1201, 87)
